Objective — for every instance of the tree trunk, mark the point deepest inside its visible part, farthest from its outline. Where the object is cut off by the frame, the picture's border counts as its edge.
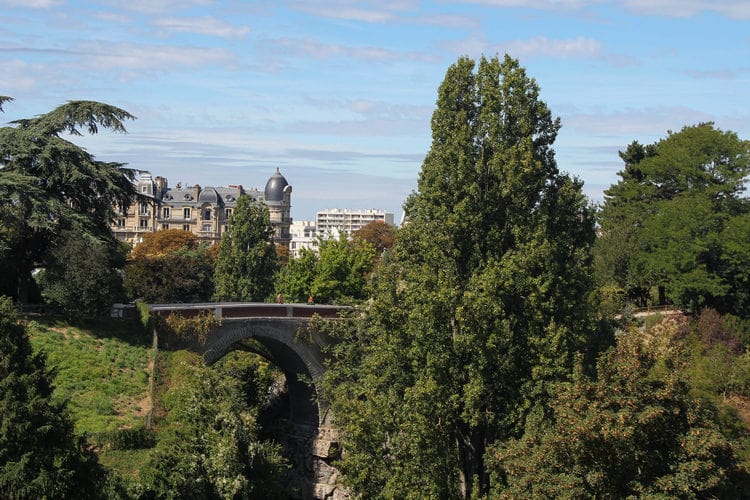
(470, 446)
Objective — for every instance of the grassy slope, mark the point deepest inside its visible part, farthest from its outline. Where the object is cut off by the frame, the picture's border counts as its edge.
(103, 370)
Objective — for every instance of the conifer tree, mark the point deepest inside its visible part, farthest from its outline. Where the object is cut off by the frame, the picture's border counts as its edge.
(247, 260)
(49, 184)
(40, 457)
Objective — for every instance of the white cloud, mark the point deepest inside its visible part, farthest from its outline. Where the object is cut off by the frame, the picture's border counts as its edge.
(724, 74)
(131, 56)
(534, 4)
(639, 123)
(563, 49)
(157, 6)
(202, 25)
(736, 9)
(539, 46)
(31, 4)
(315, 49)
(16, 76)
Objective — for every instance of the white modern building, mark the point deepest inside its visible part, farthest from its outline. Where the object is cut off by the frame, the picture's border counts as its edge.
(349, 221)
(304, 235)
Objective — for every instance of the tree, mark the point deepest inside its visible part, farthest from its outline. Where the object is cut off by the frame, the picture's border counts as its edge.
(180, 275)
(40, 457)
(170, 266)
(49, 184)
(163, 242)
(295, 280)
(634, 431)
(247, 260)
(339, 274)
(343, 269)
(378, 234)
(81, 275)
(481, 303)
(208, 447)
(670, 222)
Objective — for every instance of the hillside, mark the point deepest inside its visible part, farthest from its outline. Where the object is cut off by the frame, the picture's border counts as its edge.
(103, 369)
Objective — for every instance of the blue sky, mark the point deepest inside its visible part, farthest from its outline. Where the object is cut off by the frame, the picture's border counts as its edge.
(338, 94)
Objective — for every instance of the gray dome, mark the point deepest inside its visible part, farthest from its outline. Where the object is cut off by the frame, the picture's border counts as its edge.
(275, 187)
(208, 195)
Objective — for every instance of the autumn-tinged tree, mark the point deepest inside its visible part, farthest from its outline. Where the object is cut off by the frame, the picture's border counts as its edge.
(161, 243)
(378, 234)
(481, 303)
(247, 260)
(48, 184)
(170, 266)
(635, 431)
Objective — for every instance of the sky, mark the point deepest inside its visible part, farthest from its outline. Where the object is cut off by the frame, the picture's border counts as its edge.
(338, 94)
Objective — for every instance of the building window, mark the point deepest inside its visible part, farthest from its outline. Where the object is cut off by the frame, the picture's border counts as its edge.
(186, 227)
(185, 213)
(165, 226)
(226, 228)
(165, 212)
(229, 212)
(207, 214)
(121, 223)
(143, 209)
(144, 189)
(143, 223)
(207, 227)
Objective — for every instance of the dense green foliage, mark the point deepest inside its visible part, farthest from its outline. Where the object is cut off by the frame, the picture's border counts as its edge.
(634, 431)
(339, 273)
(481, 303)
(294, 280)
(80, 276)
(49, 185)
(181, 275)
(208, 446)
(676, 222)
(203, 415)
(247, 261)
(40, 456)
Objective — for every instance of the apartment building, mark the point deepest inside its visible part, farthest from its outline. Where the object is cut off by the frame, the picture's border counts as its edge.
(204, 211)
(349, 221)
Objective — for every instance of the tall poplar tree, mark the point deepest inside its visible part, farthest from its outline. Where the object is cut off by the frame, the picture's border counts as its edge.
(480, 304)
(247, 262)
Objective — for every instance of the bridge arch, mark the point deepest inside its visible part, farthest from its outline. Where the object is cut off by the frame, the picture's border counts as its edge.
(286, 343)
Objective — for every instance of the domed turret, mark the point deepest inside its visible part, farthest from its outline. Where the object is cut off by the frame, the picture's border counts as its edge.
(275, 188)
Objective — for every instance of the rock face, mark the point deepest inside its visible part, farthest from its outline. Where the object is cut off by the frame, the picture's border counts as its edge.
(313, 455)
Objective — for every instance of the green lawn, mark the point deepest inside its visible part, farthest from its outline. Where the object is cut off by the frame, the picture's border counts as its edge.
(102, 370)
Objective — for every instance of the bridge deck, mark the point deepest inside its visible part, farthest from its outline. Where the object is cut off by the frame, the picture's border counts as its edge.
(239, 310)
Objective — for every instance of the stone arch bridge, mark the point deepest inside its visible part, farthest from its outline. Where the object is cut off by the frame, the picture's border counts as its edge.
(279, 333)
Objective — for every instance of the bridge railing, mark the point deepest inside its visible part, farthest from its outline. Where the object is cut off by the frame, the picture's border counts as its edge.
(238, 310)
